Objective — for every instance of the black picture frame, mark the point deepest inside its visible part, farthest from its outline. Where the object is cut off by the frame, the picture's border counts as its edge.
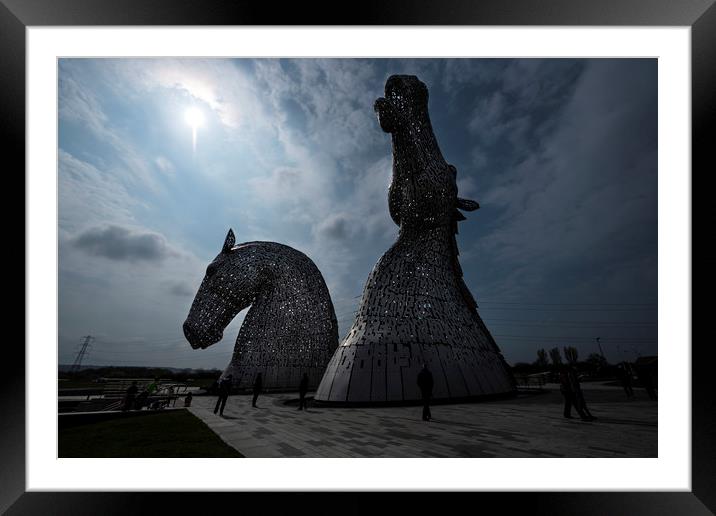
(700, 15)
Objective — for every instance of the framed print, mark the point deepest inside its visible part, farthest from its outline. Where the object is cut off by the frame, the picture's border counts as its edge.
(208, 189)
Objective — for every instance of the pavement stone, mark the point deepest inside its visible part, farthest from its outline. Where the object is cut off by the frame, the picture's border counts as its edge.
(529, 425)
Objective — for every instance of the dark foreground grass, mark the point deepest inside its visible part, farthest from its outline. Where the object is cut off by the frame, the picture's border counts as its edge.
(177, 433)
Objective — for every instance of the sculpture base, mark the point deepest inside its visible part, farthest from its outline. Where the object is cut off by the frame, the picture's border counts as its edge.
(275, 378)
(386, 372)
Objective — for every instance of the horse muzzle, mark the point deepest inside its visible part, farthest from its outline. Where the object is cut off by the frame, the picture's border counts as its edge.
(386, 114)
(200, 339)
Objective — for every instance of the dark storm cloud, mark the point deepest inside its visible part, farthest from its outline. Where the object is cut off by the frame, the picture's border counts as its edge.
(588, 194)
(180, 289)
(567, 179)
(120, 243)
(526, 97)
(336, 227)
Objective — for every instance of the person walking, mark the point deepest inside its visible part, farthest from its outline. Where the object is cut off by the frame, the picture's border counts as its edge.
(141, 400)
(130, 396)
(624, 377)
(567, 388)
(257, 389)
(425, 383)
(187, 400)
(581, 403)
(302, 390)
(573, 397)
(224, 391)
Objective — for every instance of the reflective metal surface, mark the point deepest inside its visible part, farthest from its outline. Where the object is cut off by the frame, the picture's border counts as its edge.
(291, 327)
(415, 308)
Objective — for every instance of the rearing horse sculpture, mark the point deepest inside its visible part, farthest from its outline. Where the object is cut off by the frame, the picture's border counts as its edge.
(415, 308)
(291, 327)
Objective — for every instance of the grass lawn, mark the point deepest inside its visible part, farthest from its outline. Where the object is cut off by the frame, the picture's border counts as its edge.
(177, 433)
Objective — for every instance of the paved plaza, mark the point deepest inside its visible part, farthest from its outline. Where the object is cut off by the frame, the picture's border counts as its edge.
(530, 425)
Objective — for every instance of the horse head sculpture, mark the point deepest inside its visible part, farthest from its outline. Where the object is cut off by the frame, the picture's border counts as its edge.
(290, 328)
(415, 308)
(229, 286)
(423, 190)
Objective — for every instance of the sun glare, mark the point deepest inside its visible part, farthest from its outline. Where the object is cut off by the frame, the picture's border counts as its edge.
(195, 118)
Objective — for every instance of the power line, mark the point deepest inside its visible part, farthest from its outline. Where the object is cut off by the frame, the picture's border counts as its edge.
(567, 325)
(570, 322)
(566, 304)
(620, 340)
(572, 337)
(564, 309)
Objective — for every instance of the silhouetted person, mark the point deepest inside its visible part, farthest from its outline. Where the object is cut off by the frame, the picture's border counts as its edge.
(302, 390)
(624, 377)
(646, 380)
(130, 396)
(187, 400)
(569, 387)
(257, 389)
(579, 396)
(425, 383)
(224, 391)
(629, 370)
(141, 399)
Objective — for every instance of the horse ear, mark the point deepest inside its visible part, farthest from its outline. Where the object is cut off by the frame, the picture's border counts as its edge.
(467, 204)
(229, 242)
(463, 204)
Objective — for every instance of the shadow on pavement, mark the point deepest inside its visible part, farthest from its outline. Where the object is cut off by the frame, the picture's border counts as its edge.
(625, 422)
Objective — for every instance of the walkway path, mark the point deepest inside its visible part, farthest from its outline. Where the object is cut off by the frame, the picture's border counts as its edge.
(530, 425)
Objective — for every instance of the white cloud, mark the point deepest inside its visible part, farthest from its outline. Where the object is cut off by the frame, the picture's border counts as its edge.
(88, 195)
(164, 164)
(77, 103)
(219, 83)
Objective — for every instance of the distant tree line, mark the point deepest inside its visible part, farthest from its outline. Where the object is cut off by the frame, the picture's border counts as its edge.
(595, 365)
(182, 375)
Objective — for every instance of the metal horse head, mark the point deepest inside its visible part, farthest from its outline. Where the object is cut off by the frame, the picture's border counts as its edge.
(230, 284)
(291, 327)
(423, 192)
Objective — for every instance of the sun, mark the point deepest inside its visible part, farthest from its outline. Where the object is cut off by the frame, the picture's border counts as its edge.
(195, 118)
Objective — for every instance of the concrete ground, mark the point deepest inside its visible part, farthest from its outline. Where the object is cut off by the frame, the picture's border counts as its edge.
(530, 425)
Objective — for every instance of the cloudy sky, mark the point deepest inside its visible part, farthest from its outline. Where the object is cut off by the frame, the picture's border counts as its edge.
(561, 154)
